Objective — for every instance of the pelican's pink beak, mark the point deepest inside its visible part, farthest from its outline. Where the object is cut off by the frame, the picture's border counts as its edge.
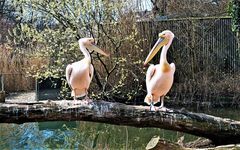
(160, 43)
(98, 50)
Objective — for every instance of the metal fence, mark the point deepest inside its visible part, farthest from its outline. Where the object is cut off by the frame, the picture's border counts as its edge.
(200, 44)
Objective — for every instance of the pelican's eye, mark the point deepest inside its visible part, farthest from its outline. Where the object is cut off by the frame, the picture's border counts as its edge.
(165, 35)
(162, 35)
(90, 41)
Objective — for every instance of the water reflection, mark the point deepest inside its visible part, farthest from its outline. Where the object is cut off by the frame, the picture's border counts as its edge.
(78, 135)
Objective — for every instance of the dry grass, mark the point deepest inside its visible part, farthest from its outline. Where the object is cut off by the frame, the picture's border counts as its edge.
(13, 69)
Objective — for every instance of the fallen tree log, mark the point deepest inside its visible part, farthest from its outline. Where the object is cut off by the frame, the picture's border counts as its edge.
(219, 130)
(163, 144)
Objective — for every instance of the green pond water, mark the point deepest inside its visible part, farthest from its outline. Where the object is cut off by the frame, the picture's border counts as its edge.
(89, 135)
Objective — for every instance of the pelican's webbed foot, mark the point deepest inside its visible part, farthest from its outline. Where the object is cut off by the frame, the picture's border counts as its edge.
(152, 107)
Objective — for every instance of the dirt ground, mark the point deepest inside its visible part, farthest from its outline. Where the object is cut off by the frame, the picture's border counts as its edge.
(30, 97)
(21, 97)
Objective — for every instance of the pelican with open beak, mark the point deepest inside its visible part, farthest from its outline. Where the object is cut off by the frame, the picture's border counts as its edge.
(79, 74)
(159, 77)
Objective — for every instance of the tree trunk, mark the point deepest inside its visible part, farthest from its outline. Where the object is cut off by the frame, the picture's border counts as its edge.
(219, 130)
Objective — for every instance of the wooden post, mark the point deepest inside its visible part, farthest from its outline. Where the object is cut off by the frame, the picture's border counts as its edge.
(2, 82)
(2, 93)
(238, 48)
(36, 90)
(2, 96)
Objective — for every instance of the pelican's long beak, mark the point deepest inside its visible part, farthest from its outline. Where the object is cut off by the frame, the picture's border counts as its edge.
(160, 43)
(96, 49)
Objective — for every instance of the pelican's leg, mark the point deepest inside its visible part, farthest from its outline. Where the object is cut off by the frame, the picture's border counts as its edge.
(87, 99)
(152, 107)
(161, 107)
(162, 102)
(74, 96)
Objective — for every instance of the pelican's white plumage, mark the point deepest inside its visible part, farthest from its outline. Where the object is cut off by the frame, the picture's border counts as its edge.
(79, 74)
(159, 78)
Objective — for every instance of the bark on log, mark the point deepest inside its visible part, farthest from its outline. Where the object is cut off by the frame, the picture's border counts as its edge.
(219, 130)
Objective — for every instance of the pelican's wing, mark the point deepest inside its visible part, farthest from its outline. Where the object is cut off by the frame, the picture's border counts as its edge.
(91, 72)
(173, 68)
(150, 73)
(68, 74)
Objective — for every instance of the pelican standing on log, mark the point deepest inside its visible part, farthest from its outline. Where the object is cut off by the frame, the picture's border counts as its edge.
(159, 78)
(79, 74)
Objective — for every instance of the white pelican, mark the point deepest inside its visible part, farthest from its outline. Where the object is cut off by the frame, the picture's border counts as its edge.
(159, 78)
(79, 74)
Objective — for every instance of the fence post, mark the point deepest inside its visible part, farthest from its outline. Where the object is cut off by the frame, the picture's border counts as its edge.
(36, 90)
(2, 82)
(2, 92)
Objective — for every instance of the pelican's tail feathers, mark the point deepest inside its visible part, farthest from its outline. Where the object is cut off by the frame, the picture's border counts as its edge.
(148, 99)
(151, 99)
(79, 92)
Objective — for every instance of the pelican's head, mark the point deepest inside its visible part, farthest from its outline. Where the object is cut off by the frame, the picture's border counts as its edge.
(164, 38)
(89, 43)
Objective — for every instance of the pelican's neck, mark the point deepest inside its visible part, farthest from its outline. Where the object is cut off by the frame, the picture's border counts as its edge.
(163, 57)
(85, 52)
